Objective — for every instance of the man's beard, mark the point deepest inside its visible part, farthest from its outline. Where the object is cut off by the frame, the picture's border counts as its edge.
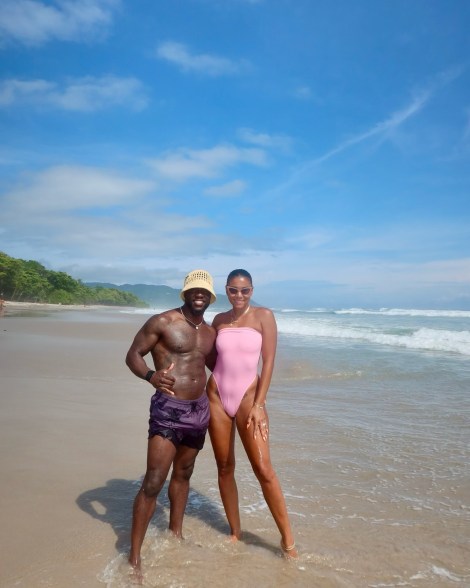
(199, 311)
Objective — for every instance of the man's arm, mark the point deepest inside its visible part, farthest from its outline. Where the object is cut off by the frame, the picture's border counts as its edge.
(146, 340)
(211, 358)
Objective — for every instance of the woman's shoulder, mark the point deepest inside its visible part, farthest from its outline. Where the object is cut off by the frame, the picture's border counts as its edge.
(264, 317)
(262, 311)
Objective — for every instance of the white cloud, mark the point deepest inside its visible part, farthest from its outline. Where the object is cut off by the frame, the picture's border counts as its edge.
(303, 92)
(12, 91)
(73, 188)
(87, 219)
(211, 65)
(83, 216)
(310, 239)
(32, 22)
(413, 243)
(264, 139)
(205, 163)
(86, 94)
(227, 190)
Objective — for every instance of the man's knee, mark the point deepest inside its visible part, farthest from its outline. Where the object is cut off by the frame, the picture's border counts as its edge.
(153, 483)
(183, 466)
(183, 471)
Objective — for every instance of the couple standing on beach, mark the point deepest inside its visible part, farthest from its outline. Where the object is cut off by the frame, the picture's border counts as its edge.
(182, 344)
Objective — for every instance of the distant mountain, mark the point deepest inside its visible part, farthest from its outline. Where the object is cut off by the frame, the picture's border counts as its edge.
(158, 296)
(155, 296)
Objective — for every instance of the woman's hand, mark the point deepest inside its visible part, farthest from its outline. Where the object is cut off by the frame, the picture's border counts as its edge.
(259, 418)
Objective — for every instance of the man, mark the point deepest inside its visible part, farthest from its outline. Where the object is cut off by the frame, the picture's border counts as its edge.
(180, 342)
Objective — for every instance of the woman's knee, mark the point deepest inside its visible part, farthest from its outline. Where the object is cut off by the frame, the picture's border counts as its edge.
(226, 468)
(264, 473)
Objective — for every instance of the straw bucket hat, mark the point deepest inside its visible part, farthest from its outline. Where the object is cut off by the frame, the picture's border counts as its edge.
(199, 279)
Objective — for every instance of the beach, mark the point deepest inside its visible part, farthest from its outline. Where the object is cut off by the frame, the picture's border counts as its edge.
(69, 413)
(370, 439)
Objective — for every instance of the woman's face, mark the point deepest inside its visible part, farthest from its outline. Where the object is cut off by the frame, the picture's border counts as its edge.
(239, 290)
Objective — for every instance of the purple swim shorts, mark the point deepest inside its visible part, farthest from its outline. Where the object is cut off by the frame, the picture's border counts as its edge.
(183, 422)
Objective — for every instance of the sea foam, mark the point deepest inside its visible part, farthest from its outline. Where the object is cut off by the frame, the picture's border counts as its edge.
(380, 333)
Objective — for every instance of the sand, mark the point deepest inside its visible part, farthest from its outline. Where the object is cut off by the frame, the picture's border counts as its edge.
(71, 420)
(73, 438)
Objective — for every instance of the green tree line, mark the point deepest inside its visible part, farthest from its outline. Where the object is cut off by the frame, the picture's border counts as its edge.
(29, 281)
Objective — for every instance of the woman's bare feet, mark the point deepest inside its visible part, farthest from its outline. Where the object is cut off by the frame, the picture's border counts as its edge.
(289, 551)
(233, 538)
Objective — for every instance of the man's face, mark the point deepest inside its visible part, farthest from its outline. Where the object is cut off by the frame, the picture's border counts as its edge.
(197, 299)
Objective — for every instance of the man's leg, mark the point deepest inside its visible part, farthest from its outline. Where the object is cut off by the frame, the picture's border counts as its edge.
(160, 455)
(178, 489)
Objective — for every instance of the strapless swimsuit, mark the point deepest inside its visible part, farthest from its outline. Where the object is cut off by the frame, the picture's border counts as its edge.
(238, 352)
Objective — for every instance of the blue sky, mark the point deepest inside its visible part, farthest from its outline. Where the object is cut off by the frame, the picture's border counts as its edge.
(322, 145)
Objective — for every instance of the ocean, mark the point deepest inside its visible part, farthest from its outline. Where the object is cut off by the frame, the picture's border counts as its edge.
(370, 437)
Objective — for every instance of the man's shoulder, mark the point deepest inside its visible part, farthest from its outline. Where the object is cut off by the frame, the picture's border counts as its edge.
(166, 313)
(162, 319)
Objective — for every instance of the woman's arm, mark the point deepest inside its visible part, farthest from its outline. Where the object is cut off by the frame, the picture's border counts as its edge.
(268, 354)
(257, 414)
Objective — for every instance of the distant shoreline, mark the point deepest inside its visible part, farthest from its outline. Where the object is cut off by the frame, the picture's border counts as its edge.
(11, 307)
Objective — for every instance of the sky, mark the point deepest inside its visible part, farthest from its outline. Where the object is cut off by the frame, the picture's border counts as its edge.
(323, 145)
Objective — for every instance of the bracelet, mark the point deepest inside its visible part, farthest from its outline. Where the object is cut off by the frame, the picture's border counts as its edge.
(259, 405)
(148, 375)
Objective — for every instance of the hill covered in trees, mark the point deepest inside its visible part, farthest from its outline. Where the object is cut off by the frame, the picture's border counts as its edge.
(30, 281)
(154, 296)
(162, 297)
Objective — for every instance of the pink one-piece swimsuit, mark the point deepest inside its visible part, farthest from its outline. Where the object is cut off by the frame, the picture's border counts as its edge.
(236, 368)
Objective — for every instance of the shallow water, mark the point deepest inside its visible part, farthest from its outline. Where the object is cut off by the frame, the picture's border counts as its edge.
(370, 437)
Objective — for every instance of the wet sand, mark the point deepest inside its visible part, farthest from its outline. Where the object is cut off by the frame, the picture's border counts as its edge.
(73, 433)
(71, 418)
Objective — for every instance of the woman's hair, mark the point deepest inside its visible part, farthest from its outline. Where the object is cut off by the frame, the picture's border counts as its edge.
(239, 273)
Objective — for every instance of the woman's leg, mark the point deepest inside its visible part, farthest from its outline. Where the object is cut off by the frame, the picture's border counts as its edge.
(222, 435)
(258, 453)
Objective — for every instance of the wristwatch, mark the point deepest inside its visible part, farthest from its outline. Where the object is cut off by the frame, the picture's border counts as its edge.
(148, 375)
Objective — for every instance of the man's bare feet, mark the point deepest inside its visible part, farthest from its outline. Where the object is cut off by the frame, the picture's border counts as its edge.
(136, 571)
(135, 574)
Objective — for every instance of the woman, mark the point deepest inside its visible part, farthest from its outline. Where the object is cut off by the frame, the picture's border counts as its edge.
(237, 398)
